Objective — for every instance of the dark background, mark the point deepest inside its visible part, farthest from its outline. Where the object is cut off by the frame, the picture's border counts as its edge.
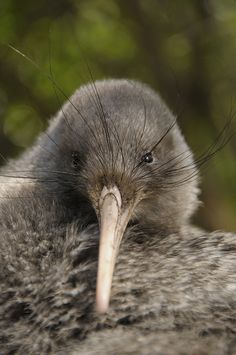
(184, 49)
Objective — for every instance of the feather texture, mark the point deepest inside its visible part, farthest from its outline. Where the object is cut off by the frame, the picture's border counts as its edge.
(174, 285)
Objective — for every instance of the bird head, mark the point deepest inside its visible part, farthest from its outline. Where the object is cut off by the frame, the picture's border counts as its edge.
(126, 156)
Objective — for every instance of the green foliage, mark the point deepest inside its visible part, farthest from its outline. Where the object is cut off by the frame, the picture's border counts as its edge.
(21, 125)
(184, 49)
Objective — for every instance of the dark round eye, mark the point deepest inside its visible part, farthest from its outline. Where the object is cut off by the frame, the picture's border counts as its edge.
(147, 158)
(75, 159)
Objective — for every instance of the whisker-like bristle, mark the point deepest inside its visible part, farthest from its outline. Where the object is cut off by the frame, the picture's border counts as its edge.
(95, 218)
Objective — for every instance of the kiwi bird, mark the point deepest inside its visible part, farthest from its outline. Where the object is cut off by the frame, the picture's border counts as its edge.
(97, 254)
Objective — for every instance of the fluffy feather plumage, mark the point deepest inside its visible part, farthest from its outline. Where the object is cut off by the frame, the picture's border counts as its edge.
(174, 286)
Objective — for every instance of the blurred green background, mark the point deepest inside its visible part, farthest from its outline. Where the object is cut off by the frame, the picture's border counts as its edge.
(184, 49)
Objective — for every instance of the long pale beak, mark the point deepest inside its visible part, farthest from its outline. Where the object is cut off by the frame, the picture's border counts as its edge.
(113, 221)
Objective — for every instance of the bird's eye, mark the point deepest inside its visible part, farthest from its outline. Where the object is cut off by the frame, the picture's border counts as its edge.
(147, 158)
(75, 159)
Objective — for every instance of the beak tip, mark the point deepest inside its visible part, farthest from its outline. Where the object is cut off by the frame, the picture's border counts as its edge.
(102, 306)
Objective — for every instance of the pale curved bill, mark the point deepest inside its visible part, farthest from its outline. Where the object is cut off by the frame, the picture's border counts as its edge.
(113, 221)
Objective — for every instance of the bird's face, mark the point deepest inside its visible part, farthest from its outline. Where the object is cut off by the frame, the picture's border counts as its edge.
(129, 159)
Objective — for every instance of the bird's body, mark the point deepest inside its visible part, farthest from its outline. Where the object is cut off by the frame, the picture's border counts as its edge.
(173, 289)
